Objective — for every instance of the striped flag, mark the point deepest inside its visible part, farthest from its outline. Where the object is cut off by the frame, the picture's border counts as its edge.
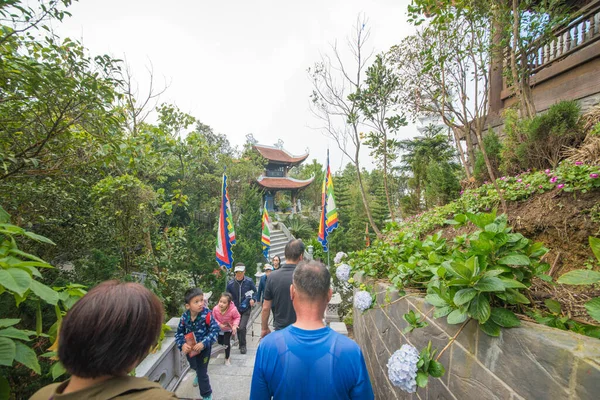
(266, 233)
(225, 231)
(329, 215)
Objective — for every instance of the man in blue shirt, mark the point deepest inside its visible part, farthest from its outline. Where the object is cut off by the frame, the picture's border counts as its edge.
(308, 360)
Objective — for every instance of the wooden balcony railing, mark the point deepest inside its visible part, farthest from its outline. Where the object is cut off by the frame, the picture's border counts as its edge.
(580, 32)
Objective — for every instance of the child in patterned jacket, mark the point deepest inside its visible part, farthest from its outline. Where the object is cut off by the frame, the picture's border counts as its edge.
(198, 321)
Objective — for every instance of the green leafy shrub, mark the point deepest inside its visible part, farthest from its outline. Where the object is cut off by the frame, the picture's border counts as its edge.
(540, 141)
(493, 148)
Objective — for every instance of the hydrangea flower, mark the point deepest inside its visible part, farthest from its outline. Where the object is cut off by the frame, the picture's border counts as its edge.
(363, 300)
(339, 257)
(402, 368)
(343, 272)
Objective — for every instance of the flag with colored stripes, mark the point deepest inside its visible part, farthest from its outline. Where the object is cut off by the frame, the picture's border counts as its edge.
(329, 215)
(225, 230)
(266, 233)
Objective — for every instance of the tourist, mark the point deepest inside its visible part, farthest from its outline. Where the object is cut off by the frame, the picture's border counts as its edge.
(228, 318)
(308, 360)
(197, 320)
(277, 292)
(243, 292)
(102, 339)
(276, 262)
(263, 282)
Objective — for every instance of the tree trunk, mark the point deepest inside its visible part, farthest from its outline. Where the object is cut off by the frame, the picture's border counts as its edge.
(521, 86)
(461, 153)
(491, 172)
(385, 179)
(470, 148)
(363, 195)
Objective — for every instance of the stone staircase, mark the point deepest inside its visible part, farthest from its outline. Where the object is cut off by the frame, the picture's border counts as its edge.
(278, 242)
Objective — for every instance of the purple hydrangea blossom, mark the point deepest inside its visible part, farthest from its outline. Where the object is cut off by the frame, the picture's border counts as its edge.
(363, 300)
(343, 272)
(339, 257)
(402, 368)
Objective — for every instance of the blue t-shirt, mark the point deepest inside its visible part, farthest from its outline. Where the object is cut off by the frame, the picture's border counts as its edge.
(295, 363)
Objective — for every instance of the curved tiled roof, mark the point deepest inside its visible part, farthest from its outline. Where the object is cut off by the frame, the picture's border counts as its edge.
(278, 155)
(283, 183)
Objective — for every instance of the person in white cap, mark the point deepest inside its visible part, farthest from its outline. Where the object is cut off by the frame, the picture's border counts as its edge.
(243, 292)
(263, 282)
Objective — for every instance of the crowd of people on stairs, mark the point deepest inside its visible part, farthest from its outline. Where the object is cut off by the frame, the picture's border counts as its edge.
(113, 327)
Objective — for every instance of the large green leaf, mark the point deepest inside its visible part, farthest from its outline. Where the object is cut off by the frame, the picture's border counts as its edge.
(593, 308)
(26, 356)
(7, 351)
(490, 328)
(422, 379)
(436, 369)
(480, 308)
(511, 283)
(44, 292)
(14, 333)
(39, 238)
(505, 318)
(57, 370)
(553, 306)
(435, 300)
(442, 311)
(4, 322)
(15, 280)
(456, 317)
(580, 277)
(463, 296)
(515, 259)
(4, 216)
(595, 245)
(489, 284)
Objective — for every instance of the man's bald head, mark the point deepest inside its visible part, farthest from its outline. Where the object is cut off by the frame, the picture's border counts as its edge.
(313, 280)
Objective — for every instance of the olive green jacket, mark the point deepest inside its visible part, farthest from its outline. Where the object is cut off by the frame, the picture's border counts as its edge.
(123, 387)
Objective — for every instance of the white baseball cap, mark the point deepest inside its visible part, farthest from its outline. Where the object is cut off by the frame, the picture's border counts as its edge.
(268, 267)
(240, 268)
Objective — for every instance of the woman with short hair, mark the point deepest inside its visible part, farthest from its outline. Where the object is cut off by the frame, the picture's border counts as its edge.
(106, 334)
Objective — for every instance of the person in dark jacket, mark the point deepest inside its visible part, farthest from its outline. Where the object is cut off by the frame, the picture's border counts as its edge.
(243, 292)
(263, 282)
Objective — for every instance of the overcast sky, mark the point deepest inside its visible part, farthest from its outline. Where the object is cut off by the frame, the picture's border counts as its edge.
(237, 65)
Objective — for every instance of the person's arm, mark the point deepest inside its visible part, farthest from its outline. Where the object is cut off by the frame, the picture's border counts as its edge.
(264, 318)
(180, 335)
(259, 389)
(363, 388)
(213, 332)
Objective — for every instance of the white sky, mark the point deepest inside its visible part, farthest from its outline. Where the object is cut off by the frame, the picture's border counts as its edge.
(238, 65)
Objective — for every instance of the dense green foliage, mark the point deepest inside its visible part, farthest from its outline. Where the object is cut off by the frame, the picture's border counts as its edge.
(539, 142)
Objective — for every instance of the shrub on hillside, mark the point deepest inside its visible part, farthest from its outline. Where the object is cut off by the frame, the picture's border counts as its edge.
(540, 142)
(493, 148)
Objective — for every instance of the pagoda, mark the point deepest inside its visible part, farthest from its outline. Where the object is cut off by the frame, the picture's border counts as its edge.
(275, 177)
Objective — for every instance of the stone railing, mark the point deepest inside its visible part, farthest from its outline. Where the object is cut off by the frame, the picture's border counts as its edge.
(529, 362)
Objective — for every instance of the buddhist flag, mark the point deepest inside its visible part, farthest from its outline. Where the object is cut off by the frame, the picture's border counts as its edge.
(266, 233)
(329, 215)
(225, 231)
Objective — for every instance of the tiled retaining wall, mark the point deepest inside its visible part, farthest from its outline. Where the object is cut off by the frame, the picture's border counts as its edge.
(529, 362)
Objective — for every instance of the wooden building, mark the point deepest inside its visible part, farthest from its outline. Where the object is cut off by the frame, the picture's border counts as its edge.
(275, 177)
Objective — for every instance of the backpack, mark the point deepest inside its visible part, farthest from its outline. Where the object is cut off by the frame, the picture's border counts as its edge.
(208, 319)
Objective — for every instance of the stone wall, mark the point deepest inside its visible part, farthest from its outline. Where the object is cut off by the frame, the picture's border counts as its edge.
(529, 362)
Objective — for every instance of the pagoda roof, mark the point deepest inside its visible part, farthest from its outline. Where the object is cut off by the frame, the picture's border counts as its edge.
(279, 155)
(283, 183)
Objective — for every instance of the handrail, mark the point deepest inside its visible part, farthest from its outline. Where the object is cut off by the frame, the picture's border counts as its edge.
(581, 31)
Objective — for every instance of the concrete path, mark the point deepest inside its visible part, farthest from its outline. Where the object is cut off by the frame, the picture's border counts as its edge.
(227, 382)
